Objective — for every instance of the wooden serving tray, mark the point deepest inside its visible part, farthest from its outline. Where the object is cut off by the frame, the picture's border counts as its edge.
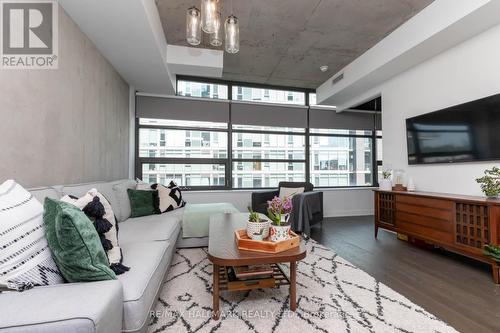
(245, 243)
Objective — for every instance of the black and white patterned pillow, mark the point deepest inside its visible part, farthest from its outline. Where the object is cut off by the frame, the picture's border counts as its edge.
(170, 196)
(99, 211)
(25, 257)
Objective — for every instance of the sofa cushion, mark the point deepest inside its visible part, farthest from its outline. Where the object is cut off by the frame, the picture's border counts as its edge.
(149, 262)
(150, 228)
(25, 258)
(40, 193)
(120, 187)
(143, 203)
(75, 244)
(71, 307)
(99, 211)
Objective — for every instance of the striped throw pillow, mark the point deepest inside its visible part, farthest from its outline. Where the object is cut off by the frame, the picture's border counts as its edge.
(25, 258)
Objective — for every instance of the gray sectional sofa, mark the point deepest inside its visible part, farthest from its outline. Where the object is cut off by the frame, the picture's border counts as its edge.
(123, 305)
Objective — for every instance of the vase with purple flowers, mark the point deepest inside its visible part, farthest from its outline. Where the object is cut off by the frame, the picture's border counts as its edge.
(278, 211)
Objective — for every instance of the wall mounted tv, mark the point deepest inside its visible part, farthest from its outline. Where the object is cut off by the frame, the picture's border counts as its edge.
(462, 133)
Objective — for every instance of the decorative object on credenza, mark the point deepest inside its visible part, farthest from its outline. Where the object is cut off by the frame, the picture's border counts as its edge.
(385, 184)
(278, 211)
(209, 20)
(398, 180)
(490, 182)
(492, 251)
(257, 227)
(411, 185)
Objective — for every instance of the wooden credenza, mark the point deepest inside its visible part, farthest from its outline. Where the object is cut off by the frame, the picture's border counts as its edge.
(458, 223)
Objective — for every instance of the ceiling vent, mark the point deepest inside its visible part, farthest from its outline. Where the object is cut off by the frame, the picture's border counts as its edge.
(338, 78)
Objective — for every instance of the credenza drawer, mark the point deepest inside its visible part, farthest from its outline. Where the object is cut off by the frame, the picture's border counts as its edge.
(438, 213)
(424, 221)
(425, 232)
(426, 202)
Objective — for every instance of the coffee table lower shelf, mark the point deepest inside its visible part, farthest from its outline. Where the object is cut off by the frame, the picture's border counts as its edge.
(279, 279)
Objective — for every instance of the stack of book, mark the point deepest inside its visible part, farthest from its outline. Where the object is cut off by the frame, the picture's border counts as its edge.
(253, 272)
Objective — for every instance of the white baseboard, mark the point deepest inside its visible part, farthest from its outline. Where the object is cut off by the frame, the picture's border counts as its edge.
(360, 212)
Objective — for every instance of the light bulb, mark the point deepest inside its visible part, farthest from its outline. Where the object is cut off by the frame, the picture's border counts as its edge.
(209, 10)
(193, 26)
(216, 37)
(232, 29)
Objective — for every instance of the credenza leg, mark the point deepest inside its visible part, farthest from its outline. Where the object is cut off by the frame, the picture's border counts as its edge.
(496, 273)
(376, 230)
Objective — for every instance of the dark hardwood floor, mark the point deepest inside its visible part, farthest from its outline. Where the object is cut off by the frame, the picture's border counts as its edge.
(456, 289)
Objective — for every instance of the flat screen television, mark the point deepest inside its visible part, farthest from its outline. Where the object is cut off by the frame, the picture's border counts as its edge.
(461, 133)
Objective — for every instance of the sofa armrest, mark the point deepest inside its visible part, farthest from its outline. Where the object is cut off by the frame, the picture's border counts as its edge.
(261, 198)
(70, 307)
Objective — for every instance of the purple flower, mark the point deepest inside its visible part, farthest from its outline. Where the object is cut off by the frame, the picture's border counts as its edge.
(280, 206)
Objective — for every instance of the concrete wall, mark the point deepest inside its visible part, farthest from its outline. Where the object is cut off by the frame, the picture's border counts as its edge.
(68, 125)
(336, 202)
(466, 72)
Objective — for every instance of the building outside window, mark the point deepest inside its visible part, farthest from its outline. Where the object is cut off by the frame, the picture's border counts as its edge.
(200, 89)
(263, 159)
(250, 94)
(174, 149)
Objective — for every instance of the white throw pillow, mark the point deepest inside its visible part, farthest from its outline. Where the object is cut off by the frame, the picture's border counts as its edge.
(290, 191)
(25, 258)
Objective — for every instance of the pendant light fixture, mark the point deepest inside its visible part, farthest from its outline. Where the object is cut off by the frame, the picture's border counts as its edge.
(209, 20)
(193, 26)
(216, 37)
(209, 10)
(232, 28)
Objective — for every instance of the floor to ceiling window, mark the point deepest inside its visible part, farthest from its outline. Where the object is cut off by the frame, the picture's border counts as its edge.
(242, 152)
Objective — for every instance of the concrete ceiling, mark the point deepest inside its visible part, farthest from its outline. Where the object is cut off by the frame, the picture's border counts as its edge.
(284, 42)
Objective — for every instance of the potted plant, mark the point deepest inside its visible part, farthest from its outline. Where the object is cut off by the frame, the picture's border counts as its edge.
(278, 211)
(493, 252)
(385, 184)
(490, 182)
(257, 227)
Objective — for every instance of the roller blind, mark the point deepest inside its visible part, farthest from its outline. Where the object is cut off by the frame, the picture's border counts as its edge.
(268, 115)
(343, 120)
(179, 108)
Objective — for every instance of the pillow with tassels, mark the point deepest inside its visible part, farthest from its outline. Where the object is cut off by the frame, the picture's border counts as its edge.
(99, 211)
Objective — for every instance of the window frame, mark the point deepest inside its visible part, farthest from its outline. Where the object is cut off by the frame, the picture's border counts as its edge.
(228, 162)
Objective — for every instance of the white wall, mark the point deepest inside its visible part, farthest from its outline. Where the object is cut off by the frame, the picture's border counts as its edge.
(468, 71)
(336, 202)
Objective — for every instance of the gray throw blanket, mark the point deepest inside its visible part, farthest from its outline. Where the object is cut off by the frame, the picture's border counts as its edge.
(304, 206)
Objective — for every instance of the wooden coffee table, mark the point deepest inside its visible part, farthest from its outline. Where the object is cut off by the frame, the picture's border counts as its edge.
(223, 252)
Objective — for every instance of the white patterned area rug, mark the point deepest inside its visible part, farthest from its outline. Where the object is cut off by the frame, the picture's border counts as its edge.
(332, 296)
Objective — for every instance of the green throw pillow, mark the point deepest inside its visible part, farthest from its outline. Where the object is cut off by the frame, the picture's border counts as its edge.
(143, 202)
(75, 244)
